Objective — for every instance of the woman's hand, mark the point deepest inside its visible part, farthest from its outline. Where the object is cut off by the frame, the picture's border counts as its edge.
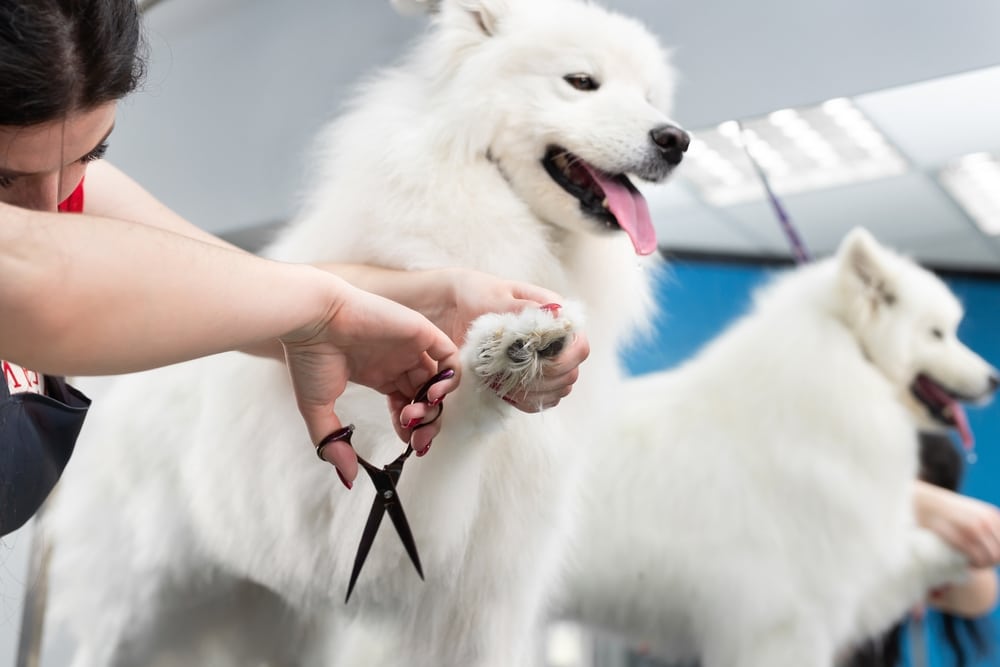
(969, 525)
(452, 298)
(557, 379)
(972, 598)
(467, 294)
(371, 341)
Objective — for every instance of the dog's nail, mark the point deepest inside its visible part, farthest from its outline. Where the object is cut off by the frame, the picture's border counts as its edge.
(343, 479)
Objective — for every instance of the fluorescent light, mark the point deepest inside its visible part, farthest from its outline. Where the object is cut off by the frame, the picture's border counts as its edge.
(568, 646)
(974, 182)
(800, 149)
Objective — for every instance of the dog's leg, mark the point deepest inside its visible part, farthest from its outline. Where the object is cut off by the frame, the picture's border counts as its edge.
(929, 562)
(793, 644)
(226, 624)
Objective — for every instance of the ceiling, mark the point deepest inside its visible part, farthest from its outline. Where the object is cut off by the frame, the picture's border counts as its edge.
(930, 124)
(238, 88)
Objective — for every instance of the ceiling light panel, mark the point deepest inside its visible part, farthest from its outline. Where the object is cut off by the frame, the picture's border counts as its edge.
(799, 149)
(974, 182)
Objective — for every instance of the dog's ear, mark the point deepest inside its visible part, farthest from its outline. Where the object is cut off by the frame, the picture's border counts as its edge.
(861, 262)
(485, 15)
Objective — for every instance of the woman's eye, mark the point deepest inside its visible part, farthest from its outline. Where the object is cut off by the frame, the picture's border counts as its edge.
(95, 154)
(581, 81)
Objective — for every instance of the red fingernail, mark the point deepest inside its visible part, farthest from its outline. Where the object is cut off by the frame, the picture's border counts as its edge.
(413, 422)
(426, 449)
(552, 308)
(343, 479)
(436, 401)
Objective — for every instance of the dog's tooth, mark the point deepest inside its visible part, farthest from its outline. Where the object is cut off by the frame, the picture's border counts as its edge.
(604, 202)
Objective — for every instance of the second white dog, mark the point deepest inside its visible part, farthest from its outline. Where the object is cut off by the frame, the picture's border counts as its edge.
(754, 507)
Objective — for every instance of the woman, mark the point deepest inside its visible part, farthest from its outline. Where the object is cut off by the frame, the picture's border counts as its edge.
(128, 285)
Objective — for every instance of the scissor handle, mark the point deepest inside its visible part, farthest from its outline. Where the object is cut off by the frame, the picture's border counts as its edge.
(395, 468)
(343, 434)
(421, 394)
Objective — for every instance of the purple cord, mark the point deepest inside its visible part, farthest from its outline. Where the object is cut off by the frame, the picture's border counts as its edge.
(798, 247)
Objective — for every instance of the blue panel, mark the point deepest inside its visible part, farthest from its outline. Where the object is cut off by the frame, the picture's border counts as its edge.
(697, 300)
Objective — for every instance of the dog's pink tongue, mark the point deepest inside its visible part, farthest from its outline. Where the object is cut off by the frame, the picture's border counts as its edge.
(630, 210)
(957, 413)
(962, 424)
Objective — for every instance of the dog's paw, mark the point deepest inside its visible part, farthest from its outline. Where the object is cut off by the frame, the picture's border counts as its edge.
(509, 351)
(942, 564)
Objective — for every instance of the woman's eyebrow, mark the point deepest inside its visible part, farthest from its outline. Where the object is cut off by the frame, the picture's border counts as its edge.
(15, 174)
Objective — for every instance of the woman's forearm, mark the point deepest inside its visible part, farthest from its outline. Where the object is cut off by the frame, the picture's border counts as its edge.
(93, 296)
(112, 193)
(430, 291)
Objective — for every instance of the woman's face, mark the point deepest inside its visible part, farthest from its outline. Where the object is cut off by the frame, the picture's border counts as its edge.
(40, 165)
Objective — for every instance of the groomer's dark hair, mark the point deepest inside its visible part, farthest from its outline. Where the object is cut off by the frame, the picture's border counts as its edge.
(62, 56)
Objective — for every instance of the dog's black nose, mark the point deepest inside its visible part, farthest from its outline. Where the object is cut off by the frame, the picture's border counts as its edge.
(994, 382)
(672, 142)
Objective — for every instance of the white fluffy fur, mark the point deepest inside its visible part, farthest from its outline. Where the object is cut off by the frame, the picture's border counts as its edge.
(197, 484)
(755, 506)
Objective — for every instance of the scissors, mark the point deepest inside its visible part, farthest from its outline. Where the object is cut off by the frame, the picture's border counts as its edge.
(386, 498)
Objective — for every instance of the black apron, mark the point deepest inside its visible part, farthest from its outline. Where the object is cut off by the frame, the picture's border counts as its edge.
(37, 436)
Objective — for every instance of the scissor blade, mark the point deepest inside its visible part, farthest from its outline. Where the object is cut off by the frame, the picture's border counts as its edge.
(403, 528)
(367, 538)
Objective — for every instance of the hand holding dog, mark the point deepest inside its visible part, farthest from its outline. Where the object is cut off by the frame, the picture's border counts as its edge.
(969, 525)
(452, 298)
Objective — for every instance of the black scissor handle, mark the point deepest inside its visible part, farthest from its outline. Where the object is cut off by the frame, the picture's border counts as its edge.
(341, 434)
(421, 395)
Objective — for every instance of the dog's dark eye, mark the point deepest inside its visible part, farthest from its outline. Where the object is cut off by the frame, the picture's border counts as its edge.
(937, 333)
(581, 81)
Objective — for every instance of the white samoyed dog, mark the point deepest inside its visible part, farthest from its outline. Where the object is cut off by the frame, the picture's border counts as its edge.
(755, 508)
(195, 519)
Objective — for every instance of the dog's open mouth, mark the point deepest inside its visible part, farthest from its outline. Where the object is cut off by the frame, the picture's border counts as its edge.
(609, 198)
(944, 406)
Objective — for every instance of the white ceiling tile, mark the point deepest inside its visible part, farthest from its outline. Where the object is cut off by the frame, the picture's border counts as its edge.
(898, 210)
(966, 251)
(936, 121)
(683, 222)
(742, 59)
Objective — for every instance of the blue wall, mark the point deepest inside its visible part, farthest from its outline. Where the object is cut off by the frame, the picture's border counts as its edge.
(698, 299)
